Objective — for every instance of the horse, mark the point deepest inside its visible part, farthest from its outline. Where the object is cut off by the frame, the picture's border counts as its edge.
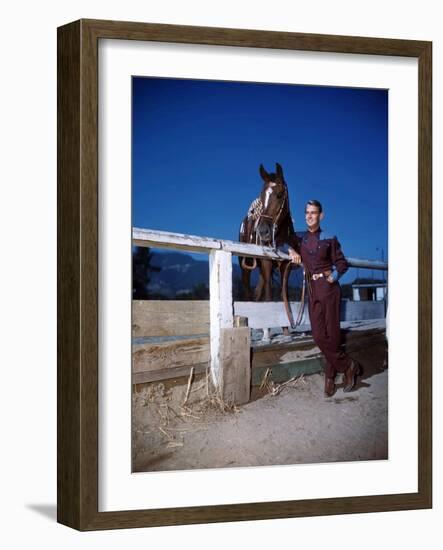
(267, 223)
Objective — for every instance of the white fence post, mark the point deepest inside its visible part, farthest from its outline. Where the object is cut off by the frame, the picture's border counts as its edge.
(220, 307)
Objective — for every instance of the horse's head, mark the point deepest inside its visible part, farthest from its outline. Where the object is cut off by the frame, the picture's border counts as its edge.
(275, 205)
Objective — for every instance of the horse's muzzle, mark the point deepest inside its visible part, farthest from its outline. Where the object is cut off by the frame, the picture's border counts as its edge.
(265, 233)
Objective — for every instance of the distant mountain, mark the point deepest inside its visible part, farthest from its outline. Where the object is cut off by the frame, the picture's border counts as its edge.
(181, 275)
(178, 275)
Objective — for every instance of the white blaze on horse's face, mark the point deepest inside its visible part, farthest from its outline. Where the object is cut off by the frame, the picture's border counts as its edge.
(268, 192)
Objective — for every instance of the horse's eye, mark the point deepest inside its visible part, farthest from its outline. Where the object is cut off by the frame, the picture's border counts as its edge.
(279, 195)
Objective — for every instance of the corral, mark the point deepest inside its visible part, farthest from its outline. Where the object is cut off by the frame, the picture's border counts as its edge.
(208, 393)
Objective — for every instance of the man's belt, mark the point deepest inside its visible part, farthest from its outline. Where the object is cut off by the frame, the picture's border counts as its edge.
(316, 276)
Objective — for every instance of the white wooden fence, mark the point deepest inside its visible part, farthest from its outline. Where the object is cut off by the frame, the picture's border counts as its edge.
(220, 278)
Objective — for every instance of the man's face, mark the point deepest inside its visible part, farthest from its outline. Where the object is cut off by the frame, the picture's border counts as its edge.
(313, 217)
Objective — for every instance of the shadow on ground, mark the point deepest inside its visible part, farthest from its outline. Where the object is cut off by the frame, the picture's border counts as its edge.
(48, 511)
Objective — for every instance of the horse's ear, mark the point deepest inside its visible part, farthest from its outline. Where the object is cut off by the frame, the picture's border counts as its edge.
(279, 170)
(263, 173)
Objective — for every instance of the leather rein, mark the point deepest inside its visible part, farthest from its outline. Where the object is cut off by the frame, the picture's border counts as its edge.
(288, 267)
(274, 224)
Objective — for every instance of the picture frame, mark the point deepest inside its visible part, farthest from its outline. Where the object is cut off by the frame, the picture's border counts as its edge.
(78, 245)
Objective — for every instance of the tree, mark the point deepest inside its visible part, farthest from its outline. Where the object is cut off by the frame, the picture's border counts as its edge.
(141, 269)
(201, 291)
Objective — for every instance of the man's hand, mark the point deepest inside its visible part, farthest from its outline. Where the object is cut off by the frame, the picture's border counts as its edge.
(295, 257)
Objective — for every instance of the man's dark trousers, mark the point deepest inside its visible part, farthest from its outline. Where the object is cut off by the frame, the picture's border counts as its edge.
(324, 313)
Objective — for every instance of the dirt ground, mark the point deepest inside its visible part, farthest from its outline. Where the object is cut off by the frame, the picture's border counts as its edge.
(296, 425)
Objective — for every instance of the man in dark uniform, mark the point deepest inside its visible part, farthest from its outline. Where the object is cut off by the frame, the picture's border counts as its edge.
(324, 264)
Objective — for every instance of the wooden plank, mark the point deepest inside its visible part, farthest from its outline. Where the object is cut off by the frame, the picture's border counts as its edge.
(179, 241)
(284, 362)
(289, 354)
(194, 243)
(273, 314)
(169, 317)
(236, 364)
(268, 314)
(169, 355)
(368, 264)
(305, 348)
(286, 371)
(171, 359)
(220, 307)
(183, 317)
(252, 250)
(162, 374)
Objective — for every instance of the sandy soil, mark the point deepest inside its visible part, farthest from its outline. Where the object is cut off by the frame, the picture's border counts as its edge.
(298, 425)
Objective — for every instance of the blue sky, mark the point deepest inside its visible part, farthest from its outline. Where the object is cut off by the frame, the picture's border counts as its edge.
(197, 147)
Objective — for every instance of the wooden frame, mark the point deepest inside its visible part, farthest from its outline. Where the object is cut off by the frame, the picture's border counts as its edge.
(77, 479)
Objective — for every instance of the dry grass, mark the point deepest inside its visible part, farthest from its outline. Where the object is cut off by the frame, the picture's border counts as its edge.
(212, 401)
(171, 423)
(273, 388)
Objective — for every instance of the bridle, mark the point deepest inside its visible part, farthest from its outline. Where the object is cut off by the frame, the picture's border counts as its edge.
(274, 220)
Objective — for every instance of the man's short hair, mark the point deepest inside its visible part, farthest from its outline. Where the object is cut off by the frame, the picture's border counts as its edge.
(316, 203)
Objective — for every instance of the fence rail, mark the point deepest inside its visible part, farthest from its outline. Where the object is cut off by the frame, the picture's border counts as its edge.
(193, 243)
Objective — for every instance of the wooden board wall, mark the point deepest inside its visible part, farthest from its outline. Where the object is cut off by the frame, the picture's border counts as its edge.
(171, 354)
(169, 317)
(183, 317)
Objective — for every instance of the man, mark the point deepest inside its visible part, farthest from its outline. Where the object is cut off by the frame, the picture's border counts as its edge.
(324, 264)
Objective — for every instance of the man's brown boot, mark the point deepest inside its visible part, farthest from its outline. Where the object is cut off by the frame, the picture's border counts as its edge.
(350, 376)
(329, 386)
